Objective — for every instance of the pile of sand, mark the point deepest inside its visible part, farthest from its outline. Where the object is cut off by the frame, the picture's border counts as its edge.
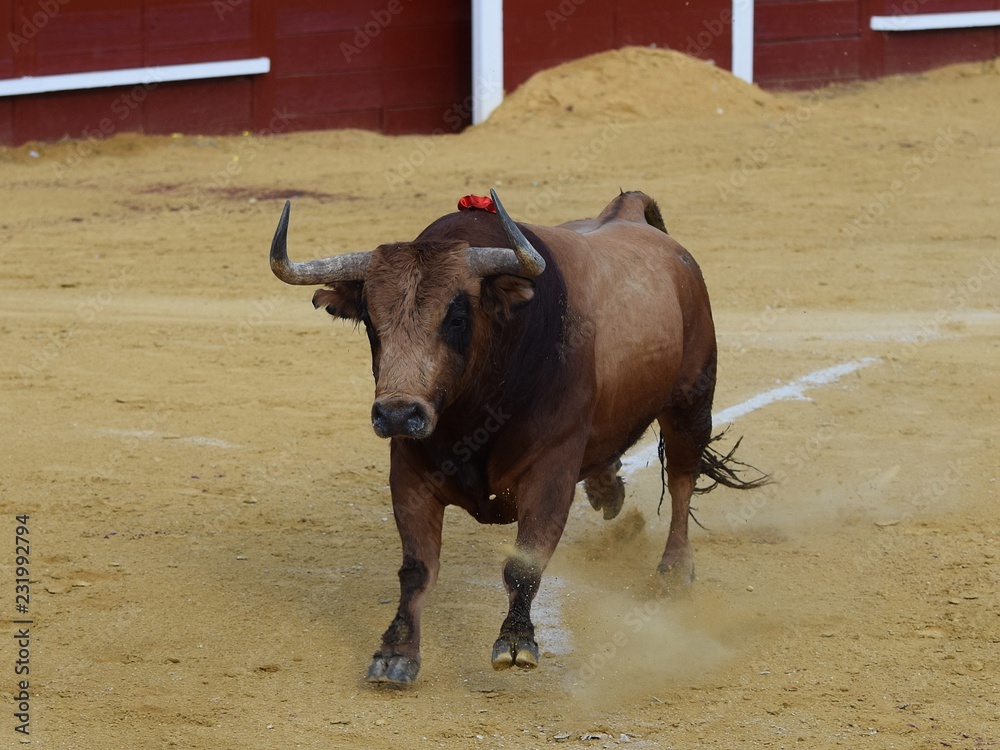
(632, 83)
(983, 69)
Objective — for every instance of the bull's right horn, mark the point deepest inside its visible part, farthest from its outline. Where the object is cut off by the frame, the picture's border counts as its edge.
(347, 267)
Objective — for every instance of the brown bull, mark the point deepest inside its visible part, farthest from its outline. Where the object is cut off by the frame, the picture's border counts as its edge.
(511, 362)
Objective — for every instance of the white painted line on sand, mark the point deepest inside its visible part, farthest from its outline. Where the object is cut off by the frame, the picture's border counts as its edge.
(206, 442)
(795, 390)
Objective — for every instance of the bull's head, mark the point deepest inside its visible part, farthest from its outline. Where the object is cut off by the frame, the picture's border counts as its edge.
(427, 307)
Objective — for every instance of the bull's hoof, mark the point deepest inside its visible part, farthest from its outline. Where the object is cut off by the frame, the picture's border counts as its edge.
(613, 503)
(509, 652)
(396, 669)
(677, 565)
(677, 574)
(606, 491)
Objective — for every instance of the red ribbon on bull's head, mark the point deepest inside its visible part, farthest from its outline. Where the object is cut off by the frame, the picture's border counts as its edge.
(476, 203)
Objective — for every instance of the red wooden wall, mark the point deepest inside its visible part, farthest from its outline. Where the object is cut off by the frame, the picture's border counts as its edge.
(45, 37)
(913, 51)
(807, 43)
(391, 65)
(540, 35)
(403, 66)
(802, 44)
(7, 70)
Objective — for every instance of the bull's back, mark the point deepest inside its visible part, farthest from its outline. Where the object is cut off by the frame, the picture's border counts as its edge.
(638, 296)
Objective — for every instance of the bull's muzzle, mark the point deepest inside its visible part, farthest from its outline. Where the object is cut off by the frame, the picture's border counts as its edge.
(401, 418)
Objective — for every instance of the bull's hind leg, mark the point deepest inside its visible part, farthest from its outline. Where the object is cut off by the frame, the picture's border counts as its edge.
(678, 561)
(686, 430)
(606, 490)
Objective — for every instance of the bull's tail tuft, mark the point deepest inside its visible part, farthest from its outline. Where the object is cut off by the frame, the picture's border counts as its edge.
(721, 469)
(725, 470)
(653, 216)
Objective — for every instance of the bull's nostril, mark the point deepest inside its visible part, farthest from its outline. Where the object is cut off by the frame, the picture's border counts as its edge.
(379, 419)
(399, 419)
(416, 420)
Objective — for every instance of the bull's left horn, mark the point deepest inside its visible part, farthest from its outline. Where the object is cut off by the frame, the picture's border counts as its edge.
(532, 264)
(347, 267)
(523, 260)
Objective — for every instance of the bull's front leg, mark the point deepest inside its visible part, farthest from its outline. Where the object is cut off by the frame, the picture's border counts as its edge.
(419, 515)
(542, 513)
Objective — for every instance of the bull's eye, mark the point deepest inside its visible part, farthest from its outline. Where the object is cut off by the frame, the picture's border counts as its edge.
(370, 329)
(455, 326)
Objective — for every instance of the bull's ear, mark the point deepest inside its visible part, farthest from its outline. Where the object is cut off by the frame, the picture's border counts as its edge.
(503, 295)
(342, 299)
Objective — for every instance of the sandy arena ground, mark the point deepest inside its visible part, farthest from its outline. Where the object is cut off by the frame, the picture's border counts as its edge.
(212, 553)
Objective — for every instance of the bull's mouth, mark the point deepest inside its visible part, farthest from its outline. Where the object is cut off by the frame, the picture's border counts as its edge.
(392, 418)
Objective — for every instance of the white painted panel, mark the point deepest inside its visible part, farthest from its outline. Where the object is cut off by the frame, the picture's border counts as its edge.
(926, 21)
(133, 76)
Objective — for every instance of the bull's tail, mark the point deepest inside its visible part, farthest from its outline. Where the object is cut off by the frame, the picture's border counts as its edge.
(724, 469)
(720, 468)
